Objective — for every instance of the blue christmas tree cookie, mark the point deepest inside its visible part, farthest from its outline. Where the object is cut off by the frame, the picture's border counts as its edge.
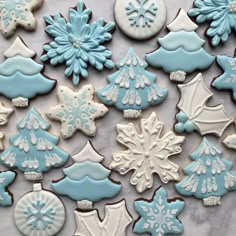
(132, 88)
(227, 80)
(181, 50)
(158, 216)
(6, 178)
(33, 150)
(87, 180)
(78, 43)
(221, 14)
(20, 76)
(209, 176)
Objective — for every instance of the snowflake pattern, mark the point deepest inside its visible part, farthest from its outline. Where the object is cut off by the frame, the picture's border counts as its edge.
(221, 13)
(142, 13)
(38, 217)
(77, 111)
(159, 216)
(147, 153)
(77, 44)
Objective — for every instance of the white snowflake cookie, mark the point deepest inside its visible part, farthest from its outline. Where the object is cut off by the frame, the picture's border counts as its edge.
(140, 19)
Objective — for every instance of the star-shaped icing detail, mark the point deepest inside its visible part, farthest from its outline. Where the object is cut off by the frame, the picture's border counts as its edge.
(77, 111)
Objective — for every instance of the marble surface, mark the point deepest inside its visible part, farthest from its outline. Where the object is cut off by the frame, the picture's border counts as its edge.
(197, 220)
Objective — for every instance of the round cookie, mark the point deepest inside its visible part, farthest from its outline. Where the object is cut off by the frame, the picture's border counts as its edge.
(140, 19)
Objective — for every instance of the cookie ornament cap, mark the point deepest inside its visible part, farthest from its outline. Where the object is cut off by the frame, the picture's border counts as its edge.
(87, 180)
(77, 43)
(33, 150)
(20, 76)
(39, 212)
(181, 51)
(140, 19)
(132, 88)
(209, 176)
(158, 216)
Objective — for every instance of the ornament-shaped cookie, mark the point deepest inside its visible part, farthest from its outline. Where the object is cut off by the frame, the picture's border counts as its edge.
(140, 19)
(39, 212)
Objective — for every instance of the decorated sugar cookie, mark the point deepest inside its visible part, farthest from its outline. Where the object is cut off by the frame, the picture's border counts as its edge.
(39, 212)
(230, 141)
(20, 76)
(222, 17)
(132, 88)
(227, 80)
(147, 153)
(181, 51)
(77, 111)
(140, 19)
(195, 114)
(6, 178)
(209, 176)
(33, 150)
(87, 180)
(115, 222)
(77, 43)
(158, 216)
(15, 13)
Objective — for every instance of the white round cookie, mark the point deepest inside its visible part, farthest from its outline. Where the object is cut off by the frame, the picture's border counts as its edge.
(140, 19)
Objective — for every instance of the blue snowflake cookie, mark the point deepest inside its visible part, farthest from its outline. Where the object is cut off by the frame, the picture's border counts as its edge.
(158, 216)
(78, 43)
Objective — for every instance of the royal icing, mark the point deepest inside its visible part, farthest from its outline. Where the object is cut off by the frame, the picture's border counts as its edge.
(77, 111)
(115, 222)
(39, 212)
(181, 50)
(77, 43)
(209, 176)
(6, 178)
(21, 77)
(87, 180)
(15, 13)
(140, 19)
(147, 153)
(195, 114)
(33, 150)
(221, 14)
(226, 81)
(230, 141)
(158, 216)
(132, 88)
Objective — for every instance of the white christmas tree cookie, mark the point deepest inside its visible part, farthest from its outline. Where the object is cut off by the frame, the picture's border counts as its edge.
(147, 153)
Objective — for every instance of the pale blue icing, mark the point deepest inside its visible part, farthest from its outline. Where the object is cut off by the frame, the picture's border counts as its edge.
(180, 59)
(184, 124)
(227, 81)
(208, 175)
(79, 171)
(33, 149)
(26, 66)
(124, 90)
(6, 178)
(86, 188)
(77, 43)
(158, 217)
(189, 41)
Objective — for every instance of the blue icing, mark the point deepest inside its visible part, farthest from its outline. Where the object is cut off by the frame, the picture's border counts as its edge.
(132, 87)
(158, 217)
(209, 175)
(184, 124)
(77, 43)
(227, 81)
(6, 178)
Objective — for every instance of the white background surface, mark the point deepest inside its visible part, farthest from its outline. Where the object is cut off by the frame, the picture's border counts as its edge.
(197, 220)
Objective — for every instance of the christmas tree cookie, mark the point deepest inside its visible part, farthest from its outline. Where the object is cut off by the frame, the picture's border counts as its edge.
(132, 88)
(209, 176)
(20, 76)
(77, 43)
(181, 51)
(87, 180)
(33, 151)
